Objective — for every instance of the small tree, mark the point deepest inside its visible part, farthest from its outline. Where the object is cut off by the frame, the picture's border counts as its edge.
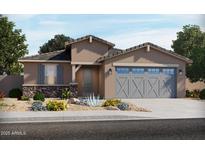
(190, 42)
(12, 47)
(56, 43)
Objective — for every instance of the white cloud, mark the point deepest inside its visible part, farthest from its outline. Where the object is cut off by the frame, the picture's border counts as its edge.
(20, 17)
(162, 37)
(130, 21)
(52, 23)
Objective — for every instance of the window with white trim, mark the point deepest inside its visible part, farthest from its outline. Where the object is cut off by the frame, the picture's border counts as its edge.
(50, 74)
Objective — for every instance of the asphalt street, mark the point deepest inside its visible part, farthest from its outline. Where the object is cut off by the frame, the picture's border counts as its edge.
(107, 130)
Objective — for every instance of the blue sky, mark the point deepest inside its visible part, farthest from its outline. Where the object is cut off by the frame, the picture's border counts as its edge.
(123, 30)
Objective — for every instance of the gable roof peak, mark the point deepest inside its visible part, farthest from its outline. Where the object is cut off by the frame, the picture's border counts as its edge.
(88, 37)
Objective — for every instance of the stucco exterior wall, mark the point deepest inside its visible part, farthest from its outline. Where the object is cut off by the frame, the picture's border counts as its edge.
(101, 81)
(84, 51)
(31, 73)
(95, 79)
(143, 57)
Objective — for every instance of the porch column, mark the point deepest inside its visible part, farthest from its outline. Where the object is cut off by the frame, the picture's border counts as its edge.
(75, 68)
(73, 74)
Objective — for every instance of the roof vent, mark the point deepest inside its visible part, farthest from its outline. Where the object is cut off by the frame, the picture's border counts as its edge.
(148, 48)
(90, 39)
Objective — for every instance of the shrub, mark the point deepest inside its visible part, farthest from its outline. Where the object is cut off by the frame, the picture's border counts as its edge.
(38, 106)
(25, 98)
(39, 96)
(15, 93)
(111, 102)
(2, 105)
(91, 101)
(202, 94)
(2, 95)
(188, 93)
(66, 93)
(123, 106)
(56, 105)
(193, 94)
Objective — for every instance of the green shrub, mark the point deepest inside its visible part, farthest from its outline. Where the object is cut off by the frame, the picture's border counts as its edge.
(188, 93)
(56, 105)
(111, 102)
(202, 94)
(193, 94)
(66, 93)
(2, 105)
(2, 95)
(24, 98)
(15, 93)
(39, 96)
(38, 106)
(123, 106)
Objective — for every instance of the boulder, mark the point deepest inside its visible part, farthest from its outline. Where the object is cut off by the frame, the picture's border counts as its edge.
(74, 101)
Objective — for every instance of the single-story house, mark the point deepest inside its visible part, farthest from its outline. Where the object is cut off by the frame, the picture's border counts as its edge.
(91, 65)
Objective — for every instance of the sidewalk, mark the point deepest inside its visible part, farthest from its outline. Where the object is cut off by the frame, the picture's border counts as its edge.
(70, 116)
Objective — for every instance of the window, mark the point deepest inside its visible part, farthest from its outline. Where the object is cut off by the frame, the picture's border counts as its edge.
(169, 71)
(138, 70)
(122, 70)
(50, 74)
(153, 70)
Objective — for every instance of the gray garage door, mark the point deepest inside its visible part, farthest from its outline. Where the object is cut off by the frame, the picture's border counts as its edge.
(145, 82)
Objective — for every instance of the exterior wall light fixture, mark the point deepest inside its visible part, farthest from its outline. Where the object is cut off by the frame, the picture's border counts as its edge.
(110, 71)
(180, 72)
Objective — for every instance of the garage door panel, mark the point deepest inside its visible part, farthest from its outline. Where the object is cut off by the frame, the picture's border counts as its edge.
(152, 87)
(167, 87)
(146, 82)
(137, 87)
(122, 86)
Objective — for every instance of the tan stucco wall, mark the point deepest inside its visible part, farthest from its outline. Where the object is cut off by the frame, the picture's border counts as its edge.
(95, 79)
(195, 85)
(101, 81)
(143, 57)
(31, 73)
(84, 51)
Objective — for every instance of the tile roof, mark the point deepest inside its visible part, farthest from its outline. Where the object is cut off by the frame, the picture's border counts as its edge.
(87, 37)
(121, 52)
(55, 55)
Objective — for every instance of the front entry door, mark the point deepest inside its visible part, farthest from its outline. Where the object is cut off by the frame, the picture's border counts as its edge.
(87, 86)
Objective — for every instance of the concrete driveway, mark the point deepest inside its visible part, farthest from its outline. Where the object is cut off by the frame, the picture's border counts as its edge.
(172, 108)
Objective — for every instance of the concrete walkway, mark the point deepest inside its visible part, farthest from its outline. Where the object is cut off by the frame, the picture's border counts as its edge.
(161, 109)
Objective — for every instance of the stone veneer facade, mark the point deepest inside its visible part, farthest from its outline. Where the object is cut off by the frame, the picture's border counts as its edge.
(49, 91)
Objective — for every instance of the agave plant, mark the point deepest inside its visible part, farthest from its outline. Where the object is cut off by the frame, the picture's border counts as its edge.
(92, 100)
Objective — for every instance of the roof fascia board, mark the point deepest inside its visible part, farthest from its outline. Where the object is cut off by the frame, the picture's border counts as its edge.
(44, 61)
(85, 63)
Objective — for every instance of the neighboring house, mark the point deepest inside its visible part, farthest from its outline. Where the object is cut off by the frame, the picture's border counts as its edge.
(92, 65)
